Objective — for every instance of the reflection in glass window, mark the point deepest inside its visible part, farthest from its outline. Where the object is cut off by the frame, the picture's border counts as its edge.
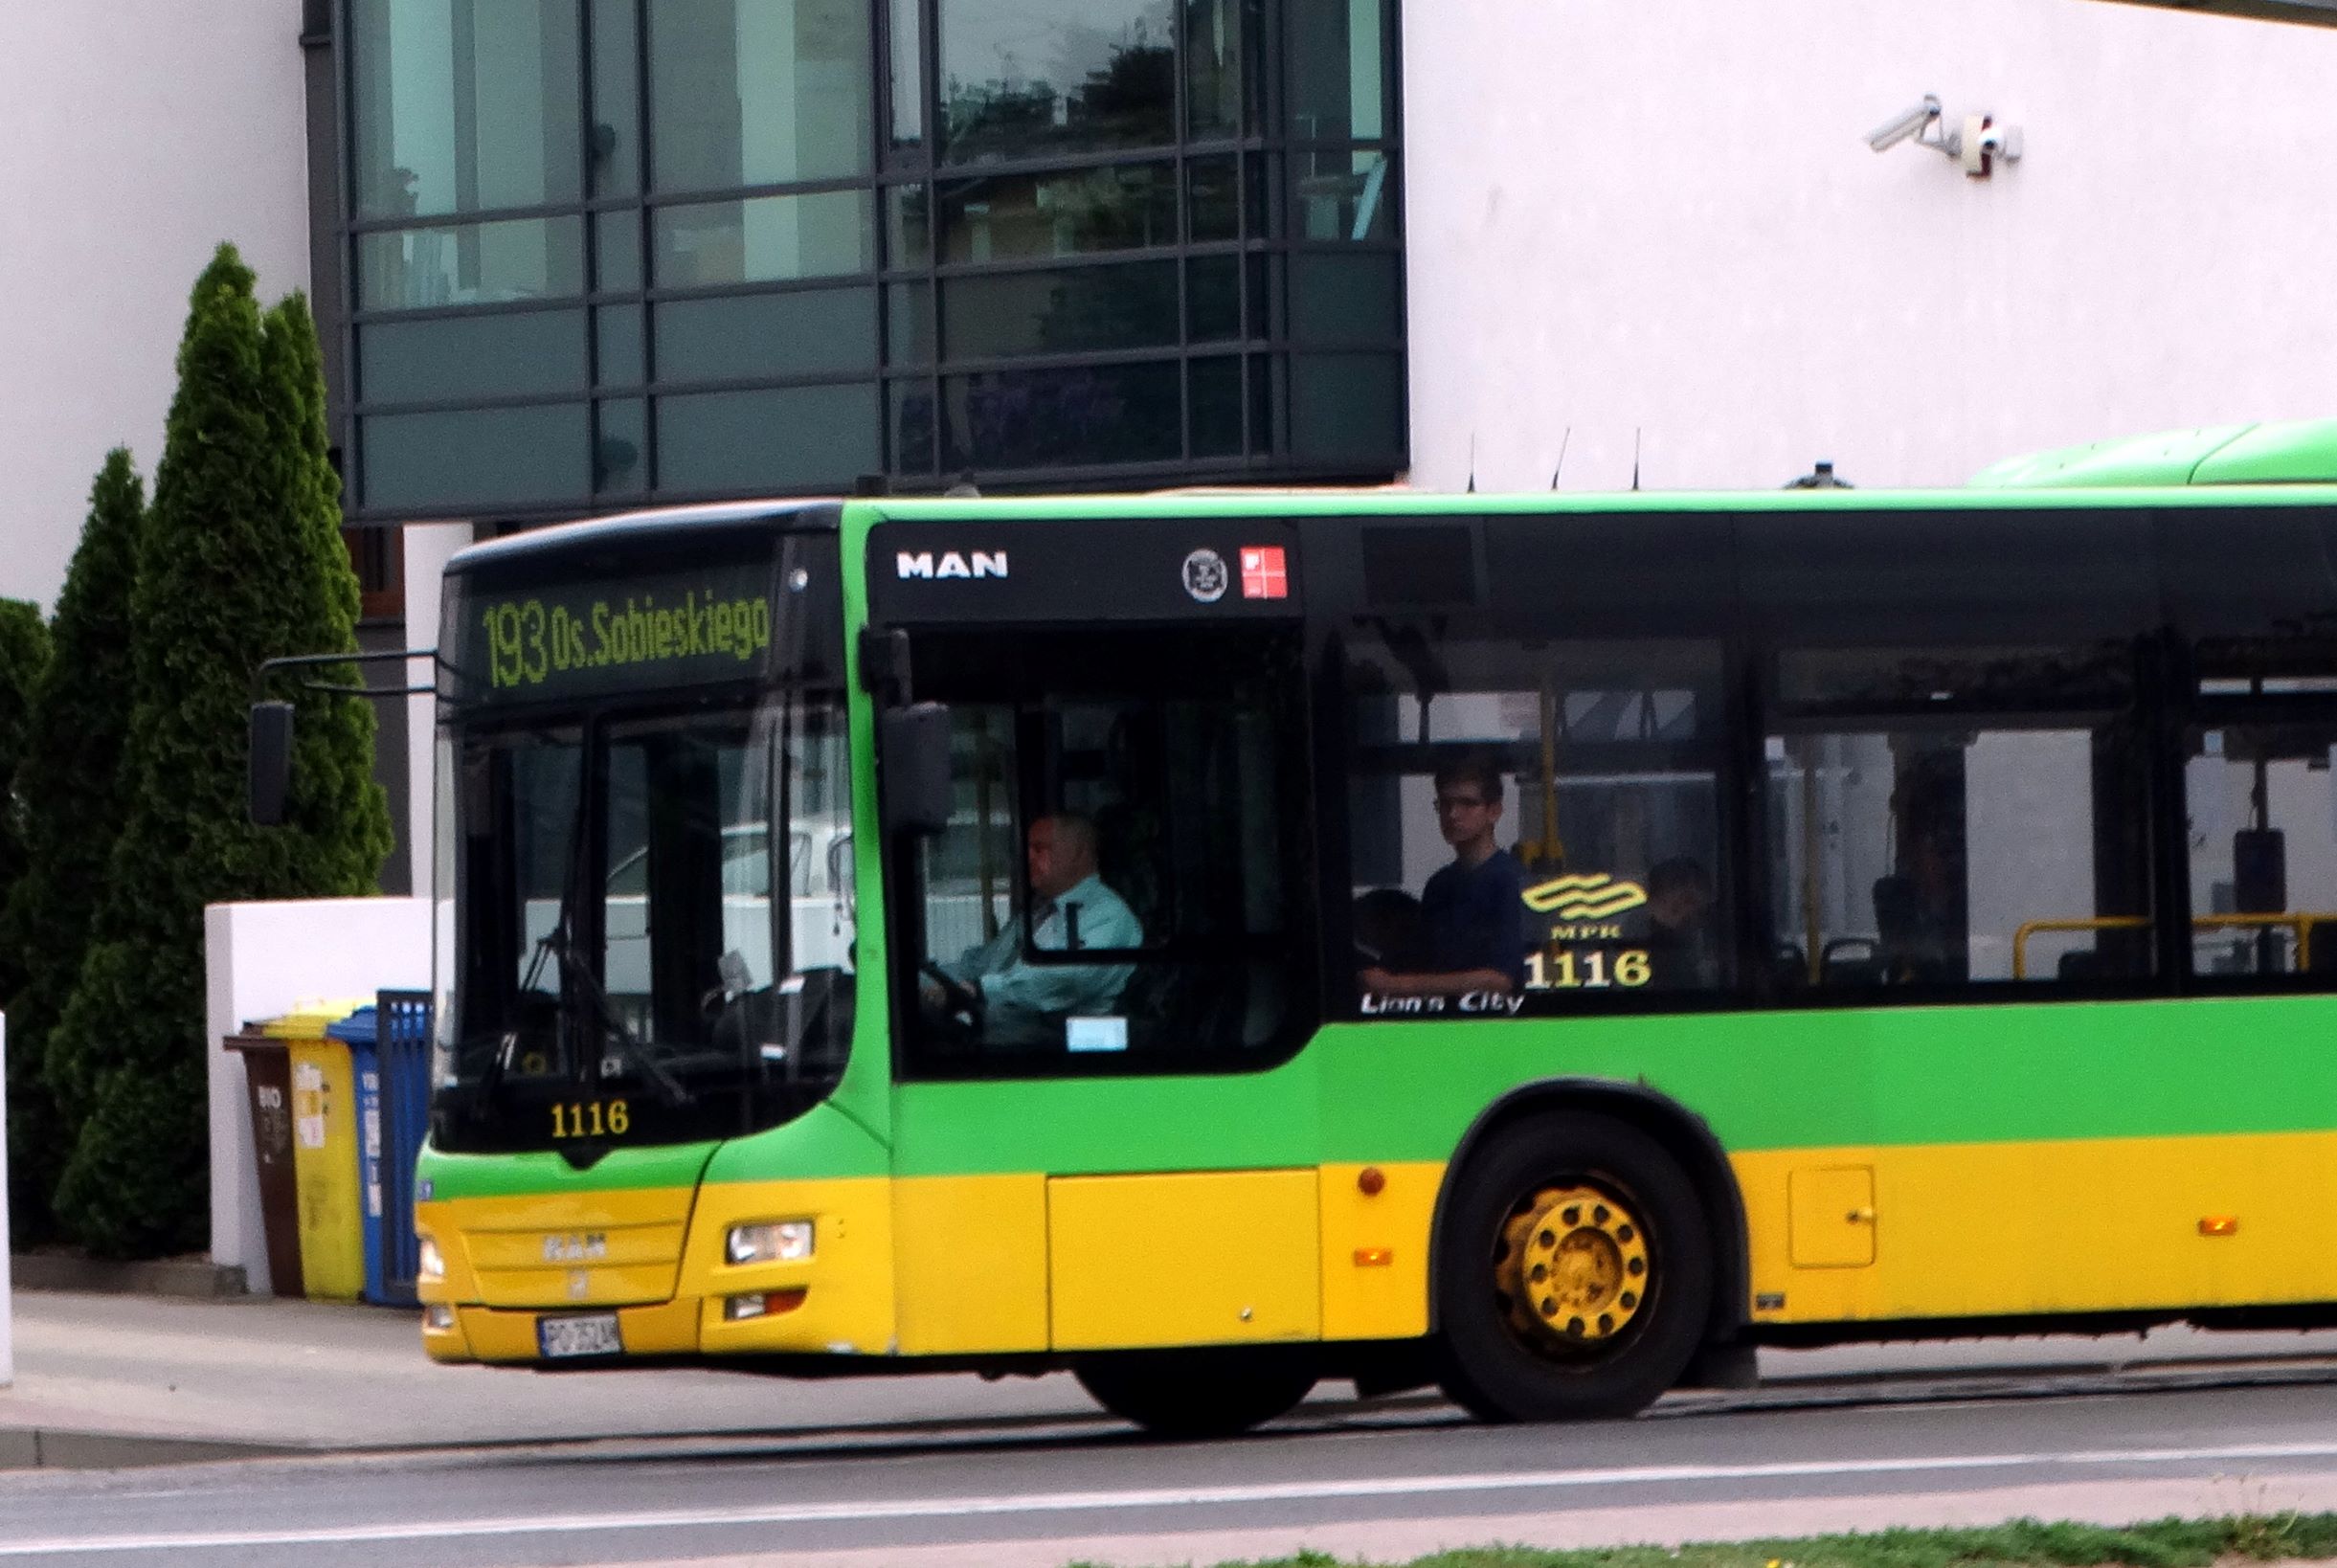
(1338, 88)
(758, 92)
(1533, 826)
(1055, 417)
(1075, 310)
(1213, 50)
(616, 106)
(463, 105)
(906, 48)
(621, 446)
(766, 240)
(1342, 195)
(1056, 75)
(1213, 199)
(1073, 213)
(2263, 800)
(470, 264)
(690, 863)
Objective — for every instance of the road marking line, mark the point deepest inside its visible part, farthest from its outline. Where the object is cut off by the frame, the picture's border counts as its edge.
(1073, 1502)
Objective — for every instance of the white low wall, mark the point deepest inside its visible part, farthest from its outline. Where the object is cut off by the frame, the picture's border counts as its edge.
(262, 960)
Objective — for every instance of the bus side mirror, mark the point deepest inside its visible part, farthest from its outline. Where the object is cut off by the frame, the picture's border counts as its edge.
(271, 784)
(914, 760)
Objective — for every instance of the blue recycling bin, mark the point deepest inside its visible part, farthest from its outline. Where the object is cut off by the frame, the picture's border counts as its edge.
(390, 1053)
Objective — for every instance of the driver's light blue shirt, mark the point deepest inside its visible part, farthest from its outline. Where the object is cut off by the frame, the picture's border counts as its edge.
(1018, 993)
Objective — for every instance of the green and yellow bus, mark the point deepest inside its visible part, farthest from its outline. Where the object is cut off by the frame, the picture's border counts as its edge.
(1542, 946)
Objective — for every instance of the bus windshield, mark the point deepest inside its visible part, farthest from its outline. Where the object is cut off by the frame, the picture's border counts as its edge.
(645, 909)
(655, 915)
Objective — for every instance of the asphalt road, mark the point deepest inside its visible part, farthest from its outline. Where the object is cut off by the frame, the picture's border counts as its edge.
(1391, 1481)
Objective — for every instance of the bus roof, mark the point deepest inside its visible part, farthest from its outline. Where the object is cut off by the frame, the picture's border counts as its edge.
(2286, 452)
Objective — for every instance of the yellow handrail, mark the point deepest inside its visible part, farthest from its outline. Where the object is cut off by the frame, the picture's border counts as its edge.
(2299, 921)
(2100, 923)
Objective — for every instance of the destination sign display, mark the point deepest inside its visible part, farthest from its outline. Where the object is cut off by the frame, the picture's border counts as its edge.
(636, 633)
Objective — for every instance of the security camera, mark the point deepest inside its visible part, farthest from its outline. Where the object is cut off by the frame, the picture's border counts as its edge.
(1899, 127)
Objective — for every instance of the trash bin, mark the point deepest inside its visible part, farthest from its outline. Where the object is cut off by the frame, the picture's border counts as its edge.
(390, 1064)
(324, 1153)
(267, 1077)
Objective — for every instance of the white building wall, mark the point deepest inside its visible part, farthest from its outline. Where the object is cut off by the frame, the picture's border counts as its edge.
(1660, 223)
(142, 132)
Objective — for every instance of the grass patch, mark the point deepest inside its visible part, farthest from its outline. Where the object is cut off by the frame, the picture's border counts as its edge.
(2024, 1543)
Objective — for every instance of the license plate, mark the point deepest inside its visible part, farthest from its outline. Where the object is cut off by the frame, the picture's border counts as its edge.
(559, 1338)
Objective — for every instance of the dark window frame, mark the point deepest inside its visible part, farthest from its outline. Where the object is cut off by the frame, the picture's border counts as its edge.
(1261, 432)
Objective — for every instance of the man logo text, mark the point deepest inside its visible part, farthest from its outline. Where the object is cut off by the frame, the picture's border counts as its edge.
(980, 563)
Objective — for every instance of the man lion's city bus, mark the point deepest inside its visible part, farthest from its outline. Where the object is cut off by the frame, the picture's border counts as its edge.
(1543, 946)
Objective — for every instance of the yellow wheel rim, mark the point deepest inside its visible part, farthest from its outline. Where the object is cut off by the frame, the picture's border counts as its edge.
(1573, 1269)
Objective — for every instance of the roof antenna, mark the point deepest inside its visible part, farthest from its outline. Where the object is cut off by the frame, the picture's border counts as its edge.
(1472, 464)
(1634, 458)
(1559, 465)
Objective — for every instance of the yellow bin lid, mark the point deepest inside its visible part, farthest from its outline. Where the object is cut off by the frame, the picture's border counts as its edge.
(308, 1019)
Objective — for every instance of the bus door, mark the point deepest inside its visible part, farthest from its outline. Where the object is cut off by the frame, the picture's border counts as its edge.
(1112, 936)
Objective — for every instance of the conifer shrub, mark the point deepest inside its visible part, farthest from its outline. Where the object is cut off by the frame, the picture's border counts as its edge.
(240, 560)
(68, 789)
(24, 654)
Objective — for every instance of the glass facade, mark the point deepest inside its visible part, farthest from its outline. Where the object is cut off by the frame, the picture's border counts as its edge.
(607, 251)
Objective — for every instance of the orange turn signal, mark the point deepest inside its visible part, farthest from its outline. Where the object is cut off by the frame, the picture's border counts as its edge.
(1374, 1256)
(2219, 1224)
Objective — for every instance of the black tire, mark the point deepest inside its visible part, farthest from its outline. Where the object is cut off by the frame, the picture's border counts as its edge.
(1507, 1360)
(1196, 1393)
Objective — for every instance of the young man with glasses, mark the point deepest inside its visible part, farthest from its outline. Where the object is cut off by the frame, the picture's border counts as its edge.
(1472, 911)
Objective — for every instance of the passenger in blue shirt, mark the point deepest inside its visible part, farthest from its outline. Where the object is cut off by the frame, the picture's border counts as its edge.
(1472, 912)
(1026, 1003)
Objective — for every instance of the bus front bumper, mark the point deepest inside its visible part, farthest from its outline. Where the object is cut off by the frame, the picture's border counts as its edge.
(657, 1279)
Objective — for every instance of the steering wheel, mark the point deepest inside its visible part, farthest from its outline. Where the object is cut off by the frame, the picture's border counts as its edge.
(961, 1003)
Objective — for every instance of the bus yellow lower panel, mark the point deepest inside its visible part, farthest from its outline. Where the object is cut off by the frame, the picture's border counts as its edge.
(971, 1264)
(1201, 1257)
(1374, 1248)
(2108, 1225)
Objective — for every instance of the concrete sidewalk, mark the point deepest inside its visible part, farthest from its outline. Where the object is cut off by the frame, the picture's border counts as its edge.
(112, 1380)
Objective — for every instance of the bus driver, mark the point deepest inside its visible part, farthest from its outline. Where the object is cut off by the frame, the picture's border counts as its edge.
(1026, 1003)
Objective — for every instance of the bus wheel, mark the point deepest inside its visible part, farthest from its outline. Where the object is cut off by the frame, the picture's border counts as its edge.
(1196, 1393)
(1574, 1272)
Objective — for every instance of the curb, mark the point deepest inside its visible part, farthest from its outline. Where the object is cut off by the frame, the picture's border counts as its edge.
(188, 1277)
(44, 1448)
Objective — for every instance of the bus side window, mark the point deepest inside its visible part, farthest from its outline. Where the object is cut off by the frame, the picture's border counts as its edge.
(1954, 815)
(2260, 795)
(1534, 826)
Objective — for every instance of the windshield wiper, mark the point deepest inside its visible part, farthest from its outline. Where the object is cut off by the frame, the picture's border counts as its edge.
(578, 973)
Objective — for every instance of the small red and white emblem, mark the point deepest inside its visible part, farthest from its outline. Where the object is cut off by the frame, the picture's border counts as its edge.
(1265, 573)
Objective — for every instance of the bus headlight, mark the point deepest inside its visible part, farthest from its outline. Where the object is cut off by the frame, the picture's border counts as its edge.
(431, 1267)
(785, 1241)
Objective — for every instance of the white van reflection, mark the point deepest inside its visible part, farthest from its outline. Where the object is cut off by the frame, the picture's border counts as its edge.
(821, 904)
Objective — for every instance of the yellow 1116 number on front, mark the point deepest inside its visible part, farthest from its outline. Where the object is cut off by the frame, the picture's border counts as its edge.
(591, 1119)
(1565, 971)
